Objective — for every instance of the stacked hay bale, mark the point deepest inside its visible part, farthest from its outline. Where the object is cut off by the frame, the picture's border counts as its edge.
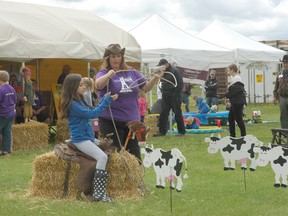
(29, 135)
(152, 122)
(49, 174)
(62, 133)
(125, 176)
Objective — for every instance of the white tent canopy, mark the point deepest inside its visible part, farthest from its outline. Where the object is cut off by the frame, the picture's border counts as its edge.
(160, 39)
(29, 31)
(245, 49)
(257, 62)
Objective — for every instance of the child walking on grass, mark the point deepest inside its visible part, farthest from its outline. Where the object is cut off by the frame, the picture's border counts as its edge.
(79, 113)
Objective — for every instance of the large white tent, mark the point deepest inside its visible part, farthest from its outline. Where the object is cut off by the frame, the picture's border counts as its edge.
(258, 62)
(245, 49)
(30, 31)
(160, 39)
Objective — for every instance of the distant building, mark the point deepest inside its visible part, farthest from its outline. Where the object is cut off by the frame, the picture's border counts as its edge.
(280, 44)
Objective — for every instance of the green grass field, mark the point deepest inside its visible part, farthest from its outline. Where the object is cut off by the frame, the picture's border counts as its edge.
(208, 191)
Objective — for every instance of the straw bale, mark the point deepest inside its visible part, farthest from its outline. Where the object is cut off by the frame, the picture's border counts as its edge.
(125, 176)
(30, 135)
(49, 175)
(62, 133)
(152, 122)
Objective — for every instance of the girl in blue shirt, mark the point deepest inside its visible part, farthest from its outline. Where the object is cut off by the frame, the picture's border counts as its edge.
(79, 114)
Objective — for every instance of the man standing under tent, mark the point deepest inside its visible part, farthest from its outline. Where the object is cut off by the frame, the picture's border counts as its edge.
(210, 87)
(172, 84)
(281, 92)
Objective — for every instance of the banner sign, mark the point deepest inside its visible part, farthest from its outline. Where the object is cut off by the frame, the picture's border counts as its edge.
(193, 74)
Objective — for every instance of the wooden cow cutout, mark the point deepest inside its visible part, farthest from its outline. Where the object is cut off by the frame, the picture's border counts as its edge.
(166, 164)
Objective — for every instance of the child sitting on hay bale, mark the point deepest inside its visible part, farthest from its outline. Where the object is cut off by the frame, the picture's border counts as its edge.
(78, 113)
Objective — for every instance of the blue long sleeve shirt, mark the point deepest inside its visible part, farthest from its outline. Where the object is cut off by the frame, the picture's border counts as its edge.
(79, 119)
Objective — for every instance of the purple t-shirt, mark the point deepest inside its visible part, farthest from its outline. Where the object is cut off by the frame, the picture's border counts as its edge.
(126, 85)
(8, 99)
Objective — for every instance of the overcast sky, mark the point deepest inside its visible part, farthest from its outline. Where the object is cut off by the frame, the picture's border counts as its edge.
(258, 19)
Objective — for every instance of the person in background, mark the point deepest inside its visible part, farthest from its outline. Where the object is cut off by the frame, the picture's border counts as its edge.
(65, 71)
(39, 107)
(87, 96)
(237, 97)
(28, 94)
(280, 92)
(210, 88)
(202, 106)
(116, 76)
(142, 105)
(192, 123)
(213, 109)
(172, 85)
(78, 113)
(186, 92)
(8, 99)
(89, 99)
(20, 99)
(157, 108)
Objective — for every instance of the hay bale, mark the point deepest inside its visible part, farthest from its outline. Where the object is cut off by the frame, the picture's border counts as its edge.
(49, 174)
(62, 133)
(30, 135)
(152, 122)
(124, 176)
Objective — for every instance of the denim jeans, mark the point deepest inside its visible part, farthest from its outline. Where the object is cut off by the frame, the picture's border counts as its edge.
(6, 131)
(212, 101)
(185, 100)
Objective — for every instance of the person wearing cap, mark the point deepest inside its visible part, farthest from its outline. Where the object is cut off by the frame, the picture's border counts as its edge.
(237, 96)
(280, 92)
(210, 87)
(171, 98)
(117, 77)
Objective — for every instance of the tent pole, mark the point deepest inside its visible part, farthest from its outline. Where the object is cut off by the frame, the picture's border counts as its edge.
(254, 87)
(264, 88)
(38, 73)
(88, 69)
(249, 91)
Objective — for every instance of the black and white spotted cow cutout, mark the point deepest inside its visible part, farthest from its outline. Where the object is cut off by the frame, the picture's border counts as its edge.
(167, 166)
(234, 149)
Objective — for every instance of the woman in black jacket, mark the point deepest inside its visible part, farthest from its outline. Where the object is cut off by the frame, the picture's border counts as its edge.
(237, 96)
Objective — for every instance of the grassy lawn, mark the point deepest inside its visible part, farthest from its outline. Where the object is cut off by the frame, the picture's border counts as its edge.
(208, 190)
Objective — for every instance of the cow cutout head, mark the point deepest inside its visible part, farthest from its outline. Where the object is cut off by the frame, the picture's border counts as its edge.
(213, 143)
(147, 162)
(140, 130)
(263, 156)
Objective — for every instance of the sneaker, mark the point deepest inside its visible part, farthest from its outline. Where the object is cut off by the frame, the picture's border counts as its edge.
(158, 134)
(179, 135)
(4, 154)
